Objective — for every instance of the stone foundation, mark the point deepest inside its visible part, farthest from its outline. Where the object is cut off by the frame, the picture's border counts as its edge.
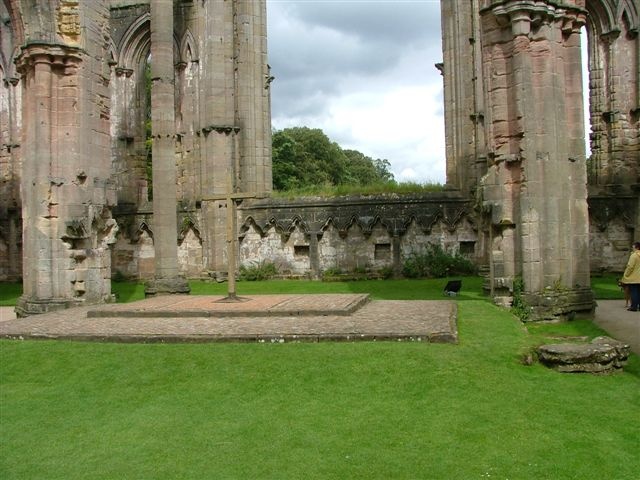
(560, 304)
(603, 355)
(166, 286)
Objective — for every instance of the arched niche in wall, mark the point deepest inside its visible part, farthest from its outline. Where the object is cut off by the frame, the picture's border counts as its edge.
(614, 93)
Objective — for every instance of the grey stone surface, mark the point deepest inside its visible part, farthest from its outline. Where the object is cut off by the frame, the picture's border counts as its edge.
(166, 286)
(613, 317)
(602, 355)
(420, 321)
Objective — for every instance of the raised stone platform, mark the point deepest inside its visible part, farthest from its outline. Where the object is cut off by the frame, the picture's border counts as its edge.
(262, 318)
(602, 355)
(186, 306)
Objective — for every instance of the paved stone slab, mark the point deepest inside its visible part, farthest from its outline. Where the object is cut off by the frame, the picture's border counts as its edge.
(427, 321)
(612, 316)
(187, 306)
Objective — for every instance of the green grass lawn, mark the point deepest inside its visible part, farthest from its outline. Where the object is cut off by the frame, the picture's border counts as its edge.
(378, 289)
(604, 287)
(9, 293)
(382, 410)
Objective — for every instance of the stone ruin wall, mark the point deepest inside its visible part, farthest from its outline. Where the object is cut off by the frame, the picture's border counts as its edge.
(614, 96)
(309, 236)
(351, 234)
(221, 116)
(354, 246)
(507, 65)
(10, 158)
(514, 135)
(282, 232)
(613, 224)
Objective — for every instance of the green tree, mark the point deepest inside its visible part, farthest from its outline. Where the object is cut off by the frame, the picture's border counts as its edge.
(364, 170)
(304, 157)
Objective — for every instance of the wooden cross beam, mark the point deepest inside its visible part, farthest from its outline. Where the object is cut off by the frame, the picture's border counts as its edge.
(231, 197)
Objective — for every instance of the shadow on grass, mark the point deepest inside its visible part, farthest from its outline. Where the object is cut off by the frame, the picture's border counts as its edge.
(126, 292)
(9, 293)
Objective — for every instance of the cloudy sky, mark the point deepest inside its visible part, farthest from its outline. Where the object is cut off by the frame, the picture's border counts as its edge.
(363, 72)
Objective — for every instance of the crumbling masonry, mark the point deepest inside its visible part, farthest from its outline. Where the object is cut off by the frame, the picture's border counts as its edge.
(96, 93)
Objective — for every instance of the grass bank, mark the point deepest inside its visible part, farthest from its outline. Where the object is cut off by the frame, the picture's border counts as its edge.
(327, 411)
(604, 287)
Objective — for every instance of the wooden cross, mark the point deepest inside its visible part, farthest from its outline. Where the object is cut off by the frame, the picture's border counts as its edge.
(231, 197)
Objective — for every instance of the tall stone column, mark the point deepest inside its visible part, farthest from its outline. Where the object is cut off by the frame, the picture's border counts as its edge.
(66, 194)
(536, 183)
(234, 131)
(252, 95)
(38, 248)
(463, 94)
(217, 130)
(10, 163)
(165, 230)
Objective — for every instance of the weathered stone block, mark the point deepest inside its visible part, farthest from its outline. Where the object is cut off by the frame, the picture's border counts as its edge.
(602, 355)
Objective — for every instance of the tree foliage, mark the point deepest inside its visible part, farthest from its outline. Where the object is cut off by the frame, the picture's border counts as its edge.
(304, 157)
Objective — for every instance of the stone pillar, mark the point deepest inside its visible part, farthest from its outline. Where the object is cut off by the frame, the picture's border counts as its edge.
(38, 249)
(252, 95)
(614, 59)
(217, 130)
(167, 278)
(66, 194)
(536, 183)
(463, 94)
(235, 125)
(314, 254)
(10, 163)
(396, 251)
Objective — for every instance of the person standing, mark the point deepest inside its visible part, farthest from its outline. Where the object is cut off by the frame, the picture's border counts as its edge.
(631, 277)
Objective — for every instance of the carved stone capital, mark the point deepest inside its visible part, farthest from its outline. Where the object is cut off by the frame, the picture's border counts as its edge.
(526, 15)
(57, 56)
(13, 81)
(611, 36)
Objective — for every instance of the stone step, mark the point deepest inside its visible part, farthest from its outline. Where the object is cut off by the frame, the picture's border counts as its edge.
(190, 306)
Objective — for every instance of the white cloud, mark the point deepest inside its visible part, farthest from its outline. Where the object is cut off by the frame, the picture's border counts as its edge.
(362, 72)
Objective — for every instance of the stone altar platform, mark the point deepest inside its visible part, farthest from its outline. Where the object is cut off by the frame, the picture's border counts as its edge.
(187, 306)
(261, 318)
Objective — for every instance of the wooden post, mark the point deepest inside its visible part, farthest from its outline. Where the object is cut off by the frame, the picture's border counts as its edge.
(231, 244)
(231, 197)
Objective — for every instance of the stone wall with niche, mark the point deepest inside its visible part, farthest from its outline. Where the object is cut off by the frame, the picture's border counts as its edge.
(354, 233)
(312, 235)
(306, 237)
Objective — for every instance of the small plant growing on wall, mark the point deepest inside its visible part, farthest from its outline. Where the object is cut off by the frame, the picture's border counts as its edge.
(332, 272)
(519, 307)
(386, 272)
(258, 271)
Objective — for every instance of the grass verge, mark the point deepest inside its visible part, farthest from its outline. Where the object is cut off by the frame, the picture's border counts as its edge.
(330, 410)
(604, 287)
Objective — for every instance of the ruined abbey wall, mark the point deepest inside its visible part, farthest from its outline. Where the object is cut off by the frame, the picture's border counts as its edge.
(125, 125)
(310, 236)
(515, 137)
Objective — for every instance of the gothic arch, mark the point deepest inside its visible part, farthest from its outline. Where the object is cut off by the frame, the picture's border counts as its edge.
(188, 48)
(17, 28)
(134, 46)
(33, 21)
(613, 44)
(11, 36)
(606, 16)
